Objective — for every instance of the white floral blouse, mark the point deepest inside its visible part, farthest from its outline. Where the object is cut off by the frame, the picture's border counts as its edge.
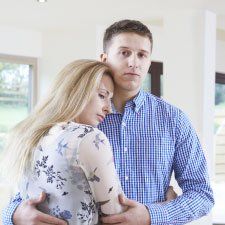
(74, 165)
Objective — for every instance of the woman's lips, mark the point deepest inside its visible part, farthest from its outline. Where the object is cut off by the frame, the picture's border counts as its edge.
(100, 118)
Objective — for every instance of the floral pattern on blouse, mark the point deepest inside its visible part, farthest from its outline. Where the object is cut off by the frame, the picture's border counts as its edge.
(74, 166)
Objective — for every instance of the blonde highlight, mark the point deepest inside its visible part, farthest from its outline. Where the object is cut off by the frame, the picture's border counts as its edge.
(67, 98)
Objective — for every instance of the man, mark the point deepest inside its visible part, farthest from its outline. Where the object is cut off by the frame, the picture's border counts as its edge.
(150, 140)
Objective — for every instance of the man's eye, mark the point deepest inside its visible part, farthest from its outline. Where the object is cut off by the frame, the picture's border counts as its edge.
(141, 55)
(101, 96)
(124, 53)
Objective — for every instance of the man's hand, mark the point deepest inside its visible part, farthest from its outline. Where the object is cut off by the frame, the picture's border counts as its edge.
(136, 214)
(170, 194)
(26, 213)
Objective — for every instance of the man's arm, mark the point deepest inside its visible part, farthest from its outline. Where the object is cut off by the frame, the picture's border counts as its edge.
(21, 212)
(7, 212)
(191, 174)
(137, 213)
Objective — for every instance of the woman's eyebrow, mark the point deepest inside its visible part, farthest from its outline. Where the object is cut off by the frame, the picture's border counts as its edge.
(102, 89)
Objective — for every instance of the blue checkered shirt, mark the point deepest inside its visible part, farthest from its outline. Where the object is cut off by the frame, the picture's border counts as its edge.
(150, 140)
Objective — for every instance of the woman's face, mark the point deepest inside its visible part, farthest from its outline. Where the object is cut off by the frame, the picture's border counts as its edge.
(99, 105)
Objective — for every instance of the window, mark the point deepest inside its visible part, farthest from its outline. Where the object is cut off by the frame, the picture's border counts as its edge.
(17, 91)
(219, 133)
(153, 80)
(219, 126)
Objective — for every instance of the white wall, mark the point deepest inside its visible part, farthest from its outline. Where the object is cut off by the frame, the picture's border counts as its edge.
(220, 56)
(15, 41)
(62, 47)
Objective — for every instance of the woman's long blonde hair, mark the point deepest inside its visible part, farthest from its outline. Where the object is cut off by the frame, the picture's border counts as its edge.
(68, 96)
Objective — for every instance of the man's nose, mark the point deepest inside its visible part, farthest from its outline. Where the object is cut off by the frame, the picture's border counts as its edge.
(133, 61)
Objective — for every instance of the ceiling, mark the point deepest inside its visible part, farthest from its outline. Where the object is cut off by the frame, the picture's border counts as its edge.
(66, 14)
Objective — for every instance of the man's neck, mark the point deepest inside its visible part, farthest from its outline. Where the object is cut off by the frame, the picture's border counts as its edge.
(120, 99)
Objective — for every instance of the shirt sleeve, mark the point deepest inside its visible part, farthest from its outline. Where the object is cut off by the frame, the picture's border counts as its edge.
(191, 173)
(96, 157)
(8, 211)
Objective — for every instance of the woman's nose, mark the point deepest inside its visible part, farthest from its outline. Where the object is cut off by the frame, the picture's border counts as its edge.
(108, 108)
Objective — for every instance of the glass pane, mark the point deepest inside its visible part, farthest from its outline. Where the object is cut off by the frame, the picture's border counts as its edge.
(219, 106)
(146, 85)
(219, 184)
(14, 96)
(219, 125)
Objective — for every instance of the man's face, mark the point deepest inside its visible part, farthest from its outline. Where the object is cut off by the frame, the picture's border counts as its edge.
(129, 56)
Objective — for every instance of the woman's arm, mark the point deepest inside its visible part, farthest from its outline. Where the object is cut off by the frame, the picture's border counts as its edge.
(96, 159)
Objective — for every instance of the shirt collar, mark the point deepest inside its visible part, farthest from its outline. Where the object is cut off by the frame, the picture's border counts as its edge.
(114, 111)
(139, 100)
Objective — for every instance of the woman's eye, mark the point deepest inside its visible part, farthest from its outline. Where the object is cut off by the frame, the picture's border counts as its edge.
(101, 96)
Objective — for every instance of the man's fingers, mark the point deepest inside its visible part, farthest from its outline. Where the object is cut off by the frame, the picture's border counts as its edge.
(114, 223)
(51, 219)
(113, 219)
(42, 196)
(170, 194)
(126, 202)
(41, 223)
(172, 191)
(38, 200)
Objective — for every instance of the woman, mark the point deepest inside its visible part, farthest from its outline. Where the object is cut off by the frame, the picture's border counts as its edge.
(58, 150)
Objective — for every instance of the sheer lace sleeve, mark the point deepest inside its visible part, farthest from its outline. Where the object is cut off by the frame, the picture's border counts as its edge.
(96, 158)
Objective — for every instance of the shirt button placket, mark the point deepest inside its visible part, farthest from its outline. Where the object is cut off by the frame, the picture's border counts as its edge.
(125, 151)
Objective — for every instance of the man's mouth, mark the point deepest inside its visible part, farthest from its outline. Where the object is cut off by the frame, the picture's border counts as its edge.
(132, 74)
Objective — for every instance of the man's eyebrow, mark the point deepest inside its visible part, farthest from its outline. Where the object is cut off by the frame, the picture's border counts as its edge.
(142, 50)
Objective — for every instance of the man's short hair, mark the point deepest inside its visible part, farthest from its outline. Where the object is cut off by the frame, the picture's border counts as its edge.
(125, 26)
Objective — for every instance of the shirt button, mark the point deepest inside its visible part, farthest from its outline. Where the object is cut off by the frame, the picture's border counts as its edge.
(126, 178)
(125, 149)
(123, 124)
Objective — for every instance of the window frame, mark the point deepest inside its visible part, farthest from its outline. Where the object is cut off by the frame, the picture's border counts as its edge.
(32, 62)
(155, 71)
(220, 78)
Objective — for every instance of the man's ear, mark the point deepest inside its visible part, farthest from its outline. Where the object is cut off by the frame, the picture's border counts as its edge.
(103, 57)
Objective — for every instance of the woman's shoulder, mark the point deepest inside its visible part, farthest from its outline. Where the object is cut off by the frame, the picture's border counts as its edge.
(76, 129)
(90, 132)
